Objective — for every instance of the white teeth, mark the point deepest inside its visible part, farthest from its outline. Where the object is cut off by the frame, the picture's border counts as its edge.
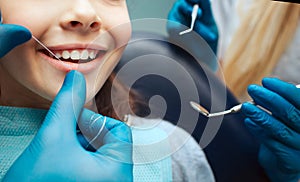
(75, 55)
(84, 54)
(58, 55)
(66, 54)
(92, 55)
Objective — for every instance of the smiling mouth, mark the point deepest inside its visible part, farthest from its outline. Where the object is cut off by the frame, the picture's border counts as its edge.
(78, 56)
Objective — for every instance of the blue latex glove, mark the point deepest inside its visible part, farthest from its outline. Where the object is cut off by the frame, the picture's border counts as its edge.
(279, 133)
(205, 24)
(12, 36)
(55, 153)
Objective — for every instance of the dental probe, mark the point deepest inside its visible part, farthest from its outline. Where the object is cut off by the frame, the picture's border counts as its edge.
(205, 112)
(194, 16)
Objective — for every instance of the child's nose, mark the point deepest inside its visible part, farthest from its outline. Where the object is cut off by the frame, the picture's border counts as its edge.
(81, 17)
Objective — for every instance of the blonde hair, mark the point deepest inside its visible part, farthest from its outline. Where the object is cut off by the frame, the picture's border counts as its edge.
(266, 30)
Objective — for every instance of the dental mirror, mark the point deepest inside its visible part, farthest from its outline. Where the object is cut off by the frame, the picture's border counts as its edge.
(205, 112)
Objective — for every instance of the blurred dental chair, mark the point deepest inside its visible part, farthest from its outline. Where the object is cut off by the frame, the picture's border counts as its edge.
(169, 77)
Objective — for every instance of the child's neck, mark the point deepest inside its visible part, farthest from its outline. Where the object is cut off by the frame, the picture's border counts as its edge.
(16, 95)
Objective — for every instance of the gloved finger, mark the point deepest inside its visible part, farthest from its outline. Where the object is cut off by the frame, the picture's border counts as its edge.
(111, 138)
(85, 143)
(210, 34)
(92, 126)
(266, 158)
(269, 161)
(12, 36)
(287, 158)
(117, 142)
(288, 91)
(203, 4)
(176, 22)
(205, 26)
(181, 12)
(174, 12)
(255, 129)
(272, 126)
(181, 15)
(272, 152)
(186, 9)
(82, 140)
(279, 107)
(204, 19)
(64, 112)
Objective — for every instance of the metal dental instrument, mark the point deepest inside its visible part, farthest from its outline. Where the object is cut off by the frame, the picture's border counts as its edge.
(194, 16)
(205, 112)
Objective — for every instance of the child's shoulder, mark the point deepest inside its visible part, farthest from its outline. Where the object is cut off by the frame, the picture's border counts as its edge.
(189, 162)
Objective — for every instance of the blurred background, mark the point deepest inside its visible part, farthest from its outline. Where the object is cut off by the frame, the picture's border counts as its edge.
(151, 9)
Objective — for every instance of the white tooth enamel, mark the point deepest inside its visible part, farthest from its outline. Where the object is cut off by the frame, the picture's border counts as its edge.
(58, 55)
(75, 55)
(92, 55)
(84, 55)
(66, 54)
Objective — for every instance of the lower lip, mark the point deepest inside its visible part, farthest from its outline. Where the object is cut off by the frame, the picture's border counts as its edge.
(68, 66)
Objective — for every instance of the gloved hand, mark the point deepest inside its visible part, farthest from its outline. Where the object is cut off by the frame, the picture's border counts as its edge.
(278, 132)
(55, 153)
(205, 24)
(11, 36)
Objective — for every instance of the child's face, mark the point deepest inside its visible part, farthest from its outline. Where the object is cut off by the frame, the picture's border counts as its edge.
(71, 29)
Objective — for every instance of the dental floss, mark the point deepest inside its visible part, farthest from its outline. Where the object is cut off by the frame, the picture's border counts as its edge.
(194, 16)
(45, 47)
(37, 40)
